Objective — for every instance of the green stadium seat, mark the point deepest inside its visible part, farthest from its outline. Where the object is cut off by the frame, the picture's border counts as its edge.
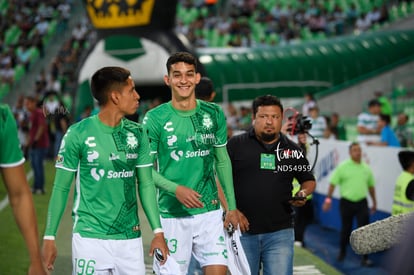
(34, 55)
(19, 72)
(12, 35)
(4, 89)
(4, 6)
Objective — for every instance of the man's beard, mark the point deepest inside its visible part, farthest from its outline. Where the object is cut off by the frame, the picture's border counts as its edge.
(268, 137)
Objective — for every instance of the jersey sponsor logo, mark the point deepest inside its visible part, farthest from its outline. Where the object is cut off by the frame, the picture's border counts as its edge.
(90, 141)
(205, 138)
(176, 155)
(120, 174)
(97, 174)
(198, 153)
(113, 156)
(171, 140)
(131, 156)
(168, 127)
(132, 141)
(288, 153)
(92, 155)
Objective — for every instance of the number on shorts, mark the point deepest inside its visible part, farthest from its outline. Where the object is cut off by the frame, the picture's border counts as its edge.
(172, 245)
(84, 267)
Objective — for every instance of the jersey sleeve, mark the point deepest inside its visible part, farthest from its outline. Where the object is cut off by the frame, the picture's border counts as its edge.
(69, 152)
(58, 200)
(144, 156)
(152, 132)
(222, 128)
(225, 176)
(148, 197)
(10, 153)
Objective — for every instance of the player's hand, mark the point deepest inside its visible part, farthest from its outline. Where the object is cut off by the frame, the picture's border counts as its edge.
(232, 217)
(188, 197)
(49, 253)
(158, 242)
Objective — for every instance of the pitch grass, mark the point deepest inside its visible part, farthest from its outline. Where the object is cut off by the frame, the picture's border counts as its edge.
(15, 259)
(13, 252)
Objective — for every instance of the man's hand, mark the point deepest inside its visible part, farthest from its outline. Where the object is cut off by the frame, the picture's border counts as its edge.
(243, 222)
(49, 253)
(188, 197)
(158, 242)
(301, 195)
(233, 218)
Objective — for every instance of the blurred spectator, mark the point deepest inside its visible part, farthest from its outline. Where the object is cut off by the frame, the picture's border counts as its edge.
(337, 127)
(205, 90)
(53, 84)
(42, 26)
(64, 15)
(245, 121)
(310, 102)
(59, 122)
(79, 33)
(22, 119)
(317, 23)
(23, 54)
(232, 116)
(403, 131)
(37, 143)
(319, 125)
(374, 15)
(7, 74)
(385, 16)
(388, 137)
(386, 106)
(37, 41)
(367, 124)
(363, 23)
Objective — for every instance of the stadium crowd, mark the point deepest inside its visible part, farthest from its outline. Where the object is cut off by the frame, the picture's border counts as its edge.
(255, 23)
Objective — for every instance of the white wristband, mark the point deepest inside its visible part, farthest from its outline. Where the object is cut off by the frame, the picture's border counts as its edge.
(158, 230)
(52, 238)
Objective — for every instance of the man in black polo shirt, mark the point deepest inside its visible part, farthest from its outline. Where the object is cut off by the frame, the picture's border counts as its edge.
(264, 164)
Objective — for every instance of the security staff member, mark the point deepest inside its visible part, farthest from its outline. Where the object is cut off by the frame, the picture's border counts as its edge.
(404, 188)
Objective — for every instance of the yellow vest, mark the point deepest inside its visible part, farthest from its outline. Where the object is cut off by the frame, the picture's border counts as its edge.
(296, 188)
(401, 204)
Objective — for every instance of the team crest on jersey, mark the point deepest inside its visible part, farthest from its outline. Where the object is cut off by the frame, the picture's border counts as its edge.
(207, 122)
(132, 141)
(59, 159)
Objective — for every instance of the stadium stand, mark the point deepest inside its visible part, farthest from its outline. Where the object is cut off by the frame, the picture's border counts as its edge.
(272, 22)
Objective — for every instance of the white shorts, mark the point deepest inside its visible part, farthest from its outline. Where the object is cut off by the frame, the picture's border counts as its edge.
(107, 257)
(202, 235)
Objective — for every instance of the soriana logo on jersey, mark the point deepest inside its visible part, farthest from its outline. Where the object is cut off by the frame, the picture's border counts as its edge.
(98, 174)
